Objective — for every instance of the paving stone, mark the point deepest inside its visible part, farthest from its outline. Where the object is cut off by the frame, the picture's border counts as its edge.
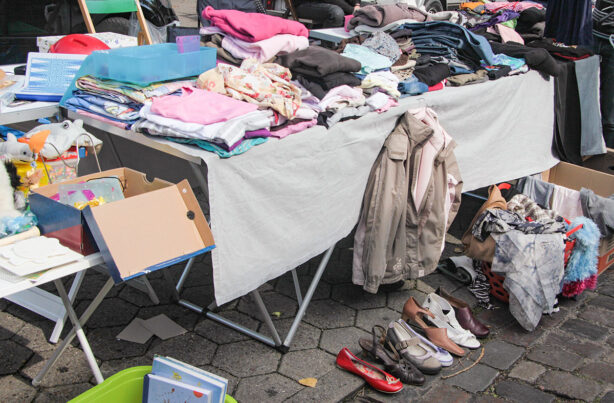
(397, 299)
(13, 389)
(580, 327)
(328, 314)
(496, 318)
(555, 319)
(610, 341)
(106, 345)
(424, 287)
(233, 381)
(598, 315)
(599, 370)
(70, 368)
(201, 295)
(555, 357)
(246, 358)
(10, 325)
(515, 334)
(141, 299)
(446, 393)
(4, 303)
(13, 357)
(184, 317)
(527, 371)
(266, 388)
(474, 380)
(605, 288)
(35, 338)
(608, 397)
(222, 334)
(93, 282)
(21, 315)
(355, 297)
(501, 355)
(199, 352)
(111, 312)
(465, 295)
(436, 280)
(336, 274)
(334, 340)
(586, 349)
(306, 364)
(274, 302)
(570, 386)
(602, 301)
(487, 399)
(285, 286)
(306, 336)
(520, 392)
(368, 318)
(407, 394)
(332, 387)
(62, 393)
(111, 367)
(609, 357)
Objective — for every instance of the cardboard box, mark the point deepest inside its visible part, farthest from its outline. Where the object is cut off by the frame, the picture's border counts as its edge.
(576, 177)
(158, 224)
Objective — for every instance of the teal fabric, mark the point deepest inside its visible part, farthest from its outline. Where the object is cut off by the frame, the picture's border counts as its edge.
(369, 60)
(222, 153)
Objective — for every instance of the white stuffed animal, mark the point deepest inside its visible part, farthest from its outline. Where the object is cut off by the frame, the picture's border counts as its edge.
(15, 150)
(62, 136)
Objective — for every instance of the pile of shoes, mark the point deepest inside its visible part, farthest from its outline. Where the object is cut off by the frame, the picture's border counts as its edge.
(421, 342)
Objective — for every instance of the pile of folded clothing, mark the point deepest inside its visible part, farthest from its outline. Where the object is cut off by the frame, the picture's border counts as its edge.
(239, 36)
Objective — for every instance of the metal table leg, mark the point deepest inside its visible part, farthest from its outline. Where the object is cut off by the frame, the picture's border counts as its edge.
(76, 331)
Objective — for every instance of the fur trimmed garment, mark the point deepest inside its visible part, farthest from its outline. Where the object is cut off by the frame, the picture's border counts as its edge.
(581, 268)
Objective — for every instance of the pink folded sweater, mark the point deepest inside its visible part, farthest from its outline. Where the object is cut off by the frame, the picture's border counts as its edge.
(252, 27)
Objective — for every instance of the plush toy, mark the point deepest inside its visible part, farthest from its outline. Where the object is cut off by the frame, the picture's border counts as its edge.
(14, 150)
(54, 139)
(7, 197)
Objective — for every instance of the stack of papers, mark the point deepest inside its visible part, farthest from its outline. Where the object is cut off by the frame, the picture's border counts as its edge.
(33, 255)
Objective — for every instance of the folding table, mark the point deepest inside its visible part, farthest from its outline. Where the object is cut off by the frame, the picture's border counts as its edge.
(11, 284)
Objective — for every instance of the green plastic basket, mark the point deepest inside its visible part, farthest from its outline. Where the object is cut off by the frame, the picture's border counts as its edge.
(124, 387)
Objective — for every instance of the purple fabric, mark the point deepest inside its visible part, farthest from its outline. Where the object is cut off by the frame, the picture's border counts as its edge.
(258, 133)
(501, 16)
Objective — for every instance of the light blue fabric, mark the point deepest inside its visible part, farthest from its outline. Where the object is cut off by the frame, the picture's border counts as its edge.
(369, 60)
(587, 78)
(205, 145)
(505, 60)
(104, 107)
(412, 86)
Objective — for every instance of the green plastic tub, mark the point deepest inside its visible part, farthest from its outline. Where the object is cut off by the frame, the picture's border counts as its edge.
(124, 387)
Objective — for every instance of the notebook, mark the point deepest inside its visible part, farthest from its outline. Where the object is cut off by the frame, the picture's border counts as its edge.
(171, 368)
(158, 389)
(48, 76)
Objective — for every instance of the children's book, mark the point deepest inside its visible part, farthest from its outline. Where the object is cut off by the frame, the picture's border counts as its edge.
(48, 76)
(158, 389)
(171, 368)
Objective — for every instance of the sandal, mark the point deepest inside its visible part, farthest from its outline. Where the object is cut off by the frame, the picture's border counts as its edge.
(394, 364)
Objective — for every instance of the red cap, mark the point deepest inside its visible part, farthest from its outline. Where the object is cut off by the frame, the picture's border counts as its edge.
(78, 44)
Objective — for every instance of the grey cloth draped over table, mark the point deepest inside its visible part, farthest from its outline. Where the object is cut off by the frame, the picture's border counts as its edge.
(533, 265)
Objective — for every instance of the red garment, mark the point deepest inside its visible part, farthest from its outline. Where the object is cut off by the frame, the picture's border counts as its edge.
(438, 86)
(252, 27)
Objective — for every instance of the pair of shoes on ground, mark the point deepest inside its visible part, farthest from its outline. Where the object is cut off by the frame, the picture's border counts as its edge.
(439, 319)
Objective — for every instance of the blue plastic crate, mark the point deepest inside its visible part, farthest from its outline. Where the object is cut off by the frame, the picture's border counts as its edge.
(144, 65)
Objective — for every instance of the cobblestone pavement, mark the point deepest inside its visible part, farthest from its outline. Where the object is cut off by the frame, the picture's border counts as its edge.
(569, 357)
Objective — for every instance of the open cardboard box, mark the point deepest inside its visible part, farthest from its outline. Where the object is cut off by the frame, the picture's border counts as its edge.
(576, 177)
(157, 225)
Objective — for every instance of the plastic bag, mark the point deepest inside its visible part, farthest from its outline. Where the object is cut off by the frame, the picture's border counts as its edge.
(158, 34)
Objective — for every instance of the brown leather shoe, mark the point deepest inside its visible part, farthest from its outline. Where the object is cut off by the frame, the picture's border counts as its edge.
(464, 316)
(438, 336)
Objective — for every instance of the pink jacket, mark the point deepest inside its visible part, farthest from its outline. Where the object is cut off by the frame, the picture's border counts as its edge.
(252, 27)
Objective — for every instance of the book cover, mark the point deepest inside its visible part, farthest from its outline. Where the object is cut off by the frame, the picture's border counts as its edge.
(158, 389)
(174, 369)
(48, 75)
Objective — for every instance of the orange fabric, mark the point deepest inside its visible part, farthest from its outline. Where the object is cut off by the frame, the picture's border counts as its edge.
(37, 141)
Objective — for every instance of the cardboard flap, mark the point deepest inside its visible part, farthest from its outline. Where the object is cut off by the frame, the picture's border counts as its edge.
(576, 177)
(148, 232)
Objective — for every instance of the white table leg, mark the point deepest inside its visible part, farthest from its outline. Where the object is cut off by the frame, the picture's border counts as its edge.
(72, 294)
(76, 331)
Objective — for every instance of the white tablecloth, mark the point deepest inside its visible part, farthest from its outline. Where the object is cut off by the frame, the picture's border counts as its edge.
(286, 201)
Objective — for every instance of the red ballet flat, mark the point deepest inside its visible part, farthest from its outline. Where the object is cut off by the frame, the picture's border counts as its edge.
(378, 379)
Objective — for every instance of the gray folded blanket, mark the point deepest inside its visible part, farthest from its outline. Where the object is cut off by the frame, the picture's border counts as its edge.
(378, 16)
